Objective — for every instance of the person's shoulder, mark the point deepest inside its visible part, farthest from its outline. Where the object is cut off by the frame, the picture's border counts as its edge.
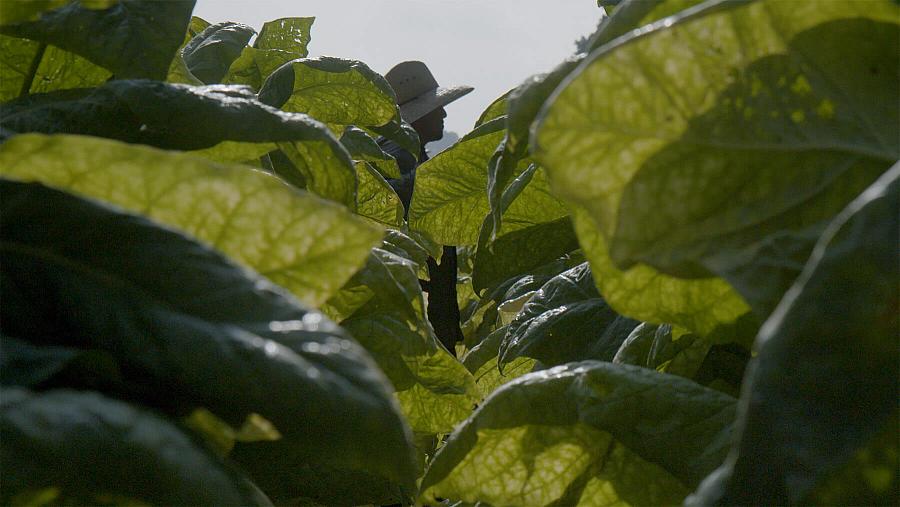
(405, 159)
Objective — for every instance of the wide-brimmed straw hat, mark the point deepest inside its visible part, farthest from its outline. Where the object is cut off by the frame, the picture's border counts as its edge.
(418, 92)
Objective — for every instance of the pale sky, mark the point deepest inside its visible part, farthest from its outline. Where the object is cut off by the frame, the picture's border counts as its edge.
(492, 45)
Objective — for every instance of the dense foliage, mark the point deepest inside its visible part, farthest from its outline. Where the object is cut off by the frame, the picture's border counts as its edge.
(678, 266)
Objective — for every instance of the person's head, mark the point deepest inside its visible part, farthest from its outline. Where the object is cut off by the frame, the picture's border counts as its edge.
(420, 98)
(431, 126)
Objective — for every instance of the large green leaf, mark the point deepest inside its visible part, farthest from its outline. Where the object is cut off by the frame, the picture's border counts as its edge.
(163, 115)
(434, 389)
(178, 70)
(236, 127)
(663, 349)
(778, 111)
(332, 90)
(279, 42)
(325, 168)
(27, 365)
(375, 197)
(483, 361)
(643, 293)
(32, 67)
(131, 38)
(210, 53)
(400, 132)
(523, 104)
(303, 243)
(189, 329)
(669, 349)
(495, 110)
(254, 65)
(286, 34)
(632, 14)
(449, 199)
(83, 448)
(589, 433)
(521, 252)
(362, 147)
(565, 321)
(535, 231)
(770, 208)
(824, 383)
(483, 318)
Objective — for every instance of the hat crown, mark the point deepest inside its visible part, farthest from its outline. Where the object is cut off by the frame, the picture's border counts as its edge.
(410, 80)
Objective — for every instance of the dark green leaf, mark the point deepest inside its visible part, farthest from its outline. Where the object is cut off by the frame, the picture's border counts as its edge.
(193, 330)
(163, 115)
(522, 251)
(675, 351)
(582, 432)
(25, 364)
(87, 447)
(824, 381)
(178, 71)
(566, 321)
(484, 317)
(131, 38)
(294, 482)
(210, 53)
(483, 360)
(400, 244)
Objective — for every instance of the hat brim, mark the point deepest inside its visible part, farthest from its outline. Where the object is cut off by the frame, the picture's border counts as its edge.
(431, 100)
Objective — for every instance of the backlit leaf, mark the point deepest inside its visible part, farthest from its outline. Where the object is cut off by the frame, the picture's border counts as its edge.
(303, 243)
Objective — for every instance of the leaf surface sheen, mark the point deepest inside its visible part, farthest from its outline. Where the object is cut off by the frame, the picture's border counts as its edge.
(569, 433)
(566, 320)
(209, 54)
(190, 329)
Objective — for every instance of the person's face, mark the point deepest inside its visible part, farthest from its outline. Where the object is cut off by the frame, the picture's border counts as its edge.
(431, 126)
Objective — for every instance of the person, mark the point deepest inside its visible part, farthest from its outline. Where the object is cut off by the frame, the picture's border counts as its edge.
(422, 102)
